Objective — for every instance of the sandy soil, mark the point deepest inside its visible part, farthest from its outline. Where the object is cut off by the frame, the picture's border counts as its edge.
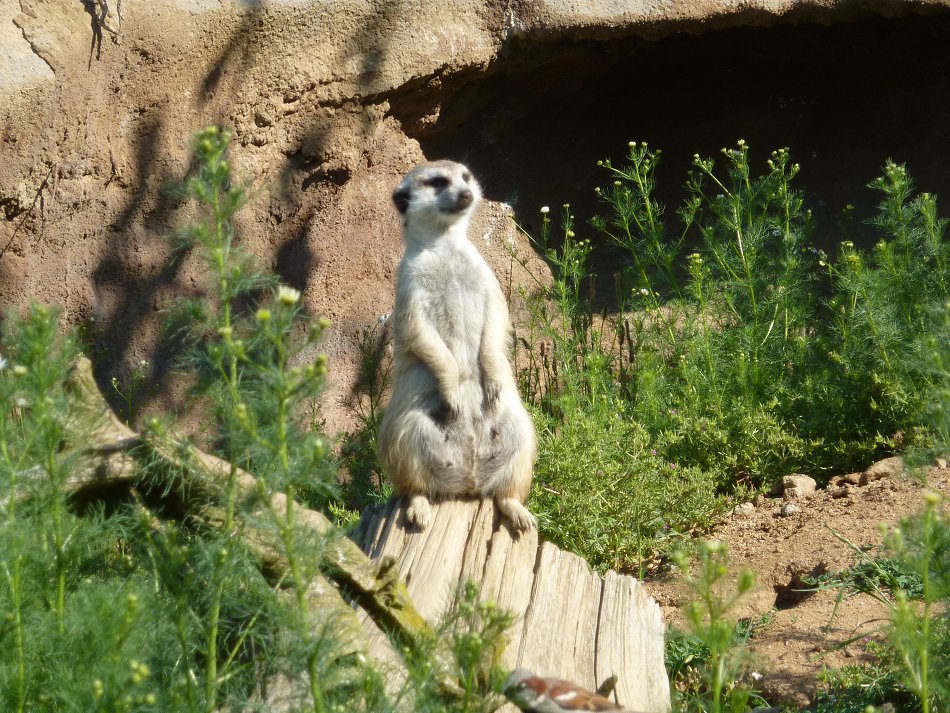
(801, 639)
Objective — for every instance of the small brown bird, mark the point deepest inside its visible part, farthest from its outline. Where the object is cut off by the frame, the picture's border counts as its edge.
(536, 694)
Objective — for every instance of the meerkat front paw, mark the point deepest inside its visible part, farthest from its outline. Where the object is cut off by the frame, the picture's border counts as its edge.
(446, 413)
(491, 390)
(521, 520)
(451, 405)
(419, 513)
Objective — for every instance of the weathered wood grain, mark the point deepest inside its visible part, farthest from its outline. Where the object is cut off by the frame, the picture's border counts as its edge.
(561, 621)
(630, 638)
(569, 622)
(505, 569)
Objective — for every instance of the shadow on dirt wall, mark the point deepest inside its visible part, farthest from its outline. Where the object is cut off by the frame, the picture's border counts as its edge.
(308, 179)
(843, 96)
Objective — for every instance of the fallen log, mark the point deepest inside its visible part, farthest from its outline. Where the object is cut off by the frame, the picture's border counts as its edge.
(114, 456)
(569, 622)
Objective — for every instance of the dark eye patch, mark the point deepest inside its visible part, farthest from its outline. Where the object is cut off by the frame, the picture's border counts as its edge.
(437, 182)
(466, 176)
(401, 199)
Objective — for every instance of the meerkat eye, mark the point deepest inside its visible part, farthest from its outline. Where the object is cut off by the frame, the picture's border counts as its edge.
(466, 176)
(438, 182)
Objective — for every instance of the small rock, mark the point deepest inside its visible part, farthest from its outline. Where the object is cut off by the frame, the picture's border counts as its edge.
(844, 491)
(785, 690)
(798, 487)
(940, 463)
(789, 509)
(759, 500)
(743, 510)
(888, 467)
(262, 119)
(850, 479)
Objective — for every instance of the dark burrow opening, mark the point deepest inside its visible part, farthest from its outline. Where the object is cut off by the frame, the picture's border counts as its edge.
(844, 94)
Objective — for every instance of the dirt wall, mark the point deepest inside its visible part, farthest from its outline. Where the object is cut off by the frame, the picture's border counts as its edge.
(331, 101)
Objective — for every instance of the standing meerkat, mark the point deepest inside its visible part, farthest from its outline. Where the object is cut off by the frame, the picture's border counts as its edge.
(455, 424)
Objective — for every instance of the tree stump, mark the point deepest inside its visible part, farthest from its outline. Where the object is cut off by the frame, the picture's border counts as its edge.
(570, 622)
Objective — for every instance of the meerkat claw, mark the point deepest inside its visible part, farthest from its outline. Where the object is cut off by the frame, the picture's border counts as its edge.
(419, 513)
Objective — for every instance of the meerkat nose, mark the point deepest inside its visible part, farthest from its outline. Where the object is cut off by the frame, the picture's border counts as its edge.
(465, 198)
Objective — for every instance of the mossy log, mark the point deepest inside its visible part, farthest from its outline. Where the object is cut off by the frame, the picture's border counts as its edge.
(114, 456)
(569, 621)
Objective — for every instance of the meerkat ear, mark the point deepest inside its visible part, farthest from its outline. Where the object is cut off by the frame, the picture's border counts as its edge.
(401, 199)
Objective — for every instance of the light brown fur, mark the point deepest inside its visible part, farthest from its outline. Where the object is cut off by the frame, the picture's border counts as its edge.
(455, 424)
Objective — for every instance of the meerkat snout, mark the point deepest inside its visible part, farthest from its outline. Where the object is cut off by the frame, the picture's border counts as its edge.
(464, 199)
(439, 193)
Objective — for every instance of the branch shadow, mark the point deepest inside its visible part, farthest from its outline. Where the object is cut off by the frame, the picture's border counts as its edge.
(117, 278)
(126, 299)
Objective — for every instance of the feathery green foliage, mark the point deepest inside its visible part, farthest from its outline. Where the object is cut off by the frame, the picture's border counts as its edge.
(731, 341)
(359, 451)
(135, 608)
(912, 666)
(710, 664)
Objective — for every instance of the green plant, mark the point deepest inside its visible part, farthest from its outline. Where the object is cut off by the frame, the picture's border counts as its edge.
(138, 377)
(686, 655)
(599, 489)
(254, 372)
(472, 634)
(33, 423)
(725, 323)
(734, 337)
(936, 358)
(885, 308)
(873, 575)
(359, 454)
(76, 640)
(851, 689)
(913, 581)
(711, 662)
(920, 639)
(913, 584)
(729, 343)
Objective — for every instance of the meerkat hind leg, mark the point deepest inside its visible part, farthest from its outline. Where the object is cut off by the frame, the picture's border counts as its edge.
(419, 513)
(517, 514)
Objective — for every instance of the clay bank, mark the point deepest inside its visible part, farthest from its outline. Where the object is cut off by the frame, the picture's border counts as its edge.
(331, 101)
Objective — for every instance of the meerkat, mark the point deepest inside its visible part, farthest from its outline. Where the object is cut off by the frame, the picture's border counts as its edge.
(455, 424)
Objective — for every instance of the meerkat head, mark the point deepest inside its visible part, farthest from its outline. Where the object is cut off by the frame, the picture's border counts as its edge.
(434, 196)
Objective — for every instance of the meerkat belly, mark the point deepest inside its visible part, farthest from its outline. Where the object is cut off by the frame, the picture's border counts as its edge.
(458, 311)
